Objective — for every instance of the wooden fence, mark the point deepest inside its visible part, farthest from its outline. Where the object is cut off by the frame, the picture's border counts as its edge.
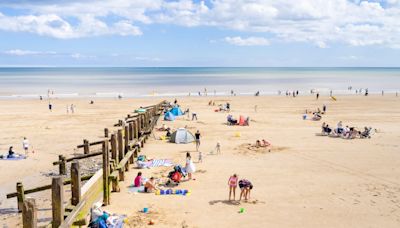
(118, 150)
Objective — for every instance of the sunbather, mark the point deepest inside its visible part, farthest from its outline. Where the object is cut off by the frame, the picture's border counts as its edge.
(11, 153)
(150, 185)
(231, 120)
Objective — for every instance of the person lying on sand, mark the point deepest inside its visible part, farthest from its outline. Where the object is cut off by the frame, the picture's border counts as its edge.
(262, 143)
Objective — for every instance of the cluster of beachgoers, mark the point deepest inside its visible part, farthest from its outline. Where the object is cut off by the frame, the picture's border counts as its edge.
(345, 132)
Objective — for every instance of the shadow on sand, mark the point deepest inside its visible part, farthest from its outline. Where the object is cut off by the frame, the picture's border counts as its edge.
(227, 202)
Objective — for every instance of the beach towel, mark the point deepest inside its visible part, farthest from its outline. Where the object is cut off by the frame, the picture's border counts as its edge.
(154, 163)
(116, 221)
(20, 157)
(132, 188)
(160, 162)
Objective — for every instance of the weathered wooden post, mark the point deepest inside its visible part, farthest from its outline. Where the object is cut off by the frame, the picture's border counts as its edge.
(120, 145)
(20, 196)
(29, 214)
(106, 173)
(114, 154)
(126, 139)
(106, 132)
(135, 130)
(62, 164)
(130, 131)
(86, 146)
(75, 183)
(57, 201)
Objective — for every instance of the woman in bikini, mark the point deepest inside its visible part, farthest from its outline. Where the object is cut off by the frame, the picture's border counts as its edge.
(232, 182)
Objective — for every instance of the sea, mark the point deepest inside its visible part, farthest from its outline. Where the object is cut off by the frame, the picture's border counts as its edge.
(67, 82)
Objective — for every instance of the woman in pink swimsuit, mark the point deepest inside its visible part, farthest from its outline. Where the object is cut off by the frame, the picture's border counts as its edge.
(232, 183)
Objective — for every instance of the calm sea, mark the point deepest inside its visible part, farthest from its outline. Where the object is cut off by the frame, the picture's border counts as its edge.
(175, 81)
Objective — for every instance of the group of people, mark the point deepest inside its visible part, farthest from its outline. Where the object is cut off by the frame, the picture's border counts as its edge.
(345, 131)
(242, 121)
(245, 187)
(262, 143)
(25, 145)
(316, 115)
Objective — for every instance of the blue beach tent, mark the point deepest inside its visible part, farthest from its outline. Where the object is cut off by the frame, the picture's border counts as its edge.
(176, 111)
(169, 116)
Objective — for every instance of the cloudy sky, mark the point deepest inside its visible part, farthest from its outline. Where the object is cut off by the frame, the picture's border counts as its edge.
(199, 33)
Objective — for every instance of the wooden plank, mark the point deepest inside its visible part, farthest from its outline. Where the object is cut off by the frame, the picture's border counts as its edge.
(57, 201)
(29, 214)
(45, 187)
(72, 215)
(126, 139)
(78, 157)
(114, 148)
(86, 146)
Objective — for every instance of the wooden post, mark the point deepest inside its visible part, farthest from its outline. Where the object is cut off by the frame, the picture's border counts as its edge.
(135, 129)
(114, 149)
(126, 139)
(75, 183)
(20, 196)
(120, 146)
(130, 131)
(57, 201)
(106, 132)
(62, 164)
(106, 173)
(29, 214)
(86, 146)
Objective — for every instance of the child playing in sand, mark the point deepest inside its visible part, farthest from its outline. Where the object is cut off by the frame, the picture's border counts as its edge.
(200, 157)
(232, 183)
(218, 147)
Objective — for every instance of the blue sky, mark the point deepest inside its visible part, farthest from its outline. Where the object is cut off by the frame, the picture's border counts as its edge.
(200, 33)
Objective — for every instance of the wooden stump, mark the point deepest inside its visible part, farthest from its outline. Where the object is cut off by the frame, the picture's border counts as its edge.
(106, 173)
(106, 132)
(130, 131)
(120, 146)
(126, 139)
(86, 146)
(62, 165)
(20, 196)
(57, 201)
(75, 183)
(114, 148)
(29, 214)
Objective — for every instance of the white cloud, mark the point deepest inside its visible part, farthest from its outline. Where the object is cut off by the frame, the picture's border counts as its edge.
(250, 41)
(320, 22)
(19, 52)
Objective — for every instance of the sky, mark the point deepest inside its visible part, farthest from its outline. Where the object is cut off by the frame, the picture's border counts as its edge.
(226, 33)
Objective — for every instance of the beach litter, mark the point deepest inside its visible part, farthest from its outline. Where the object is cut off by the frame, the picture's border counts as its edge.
(241, 210)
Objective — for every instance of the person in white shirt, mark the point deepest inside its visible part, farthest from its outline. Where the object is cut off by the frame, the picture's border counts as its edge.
(25, 145)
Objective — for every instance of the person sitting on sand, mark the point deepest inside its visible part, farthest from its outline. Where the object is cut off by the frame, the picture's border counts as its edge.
(138, 180)
(232, 183)
(339, 128)
(11, 153)
(150, 185)
(258, 143)
(316, 116)
(231, 120)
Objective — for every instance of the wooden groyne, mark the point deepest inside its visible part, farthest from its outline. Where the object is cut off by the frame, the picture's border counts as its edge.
(118, 149)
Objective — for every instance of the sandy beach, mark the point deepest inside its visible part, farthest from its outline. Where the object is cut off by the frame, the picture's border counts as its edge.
(304, 181)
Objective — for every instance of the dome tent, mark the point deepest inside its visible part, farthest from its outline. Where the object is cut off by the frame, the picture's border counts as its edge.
(177, 111)
(182, 135)
(169, 116)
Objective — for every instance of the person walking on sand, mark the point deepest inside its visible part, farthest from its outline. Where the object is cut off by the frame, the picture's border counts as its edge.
(194, 115)
(197, 136)
(25, 145)
(232, 183)
(72, 108)
(190, 168)
(50, 107)
(317, 95)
